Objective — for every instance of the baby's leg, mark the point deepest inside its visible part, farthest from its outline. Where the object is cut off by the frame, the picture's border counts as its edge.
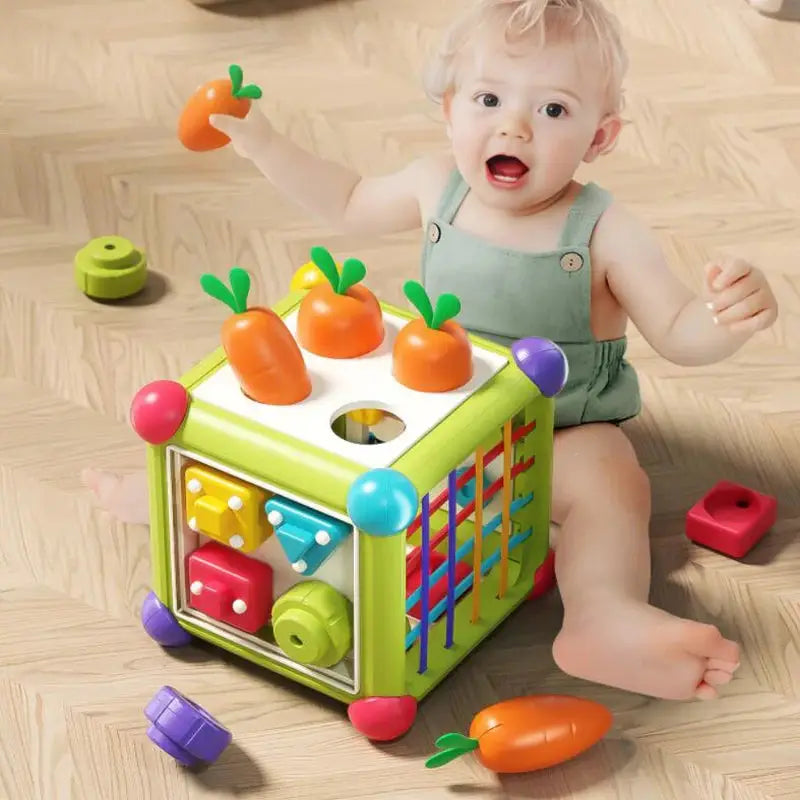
(610, 633)
(124, 496)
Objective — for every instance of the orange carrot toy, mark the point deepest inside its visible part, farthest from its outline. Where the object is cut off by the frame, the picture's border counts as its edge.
(340, 317)
(528, 733)
(222, 96)
(261, 350)
(432, 353)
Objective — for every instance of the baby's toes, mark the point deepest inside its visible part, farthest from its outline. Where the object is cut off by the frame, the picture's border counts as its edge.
(90, 478)
(723, 665)
(105, 485)
(717, 677)
(715, 647)
(705, 691)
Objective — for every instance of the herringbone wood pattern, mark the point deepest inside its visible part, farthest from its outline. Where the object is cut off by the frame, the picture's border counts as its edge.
(90, 94)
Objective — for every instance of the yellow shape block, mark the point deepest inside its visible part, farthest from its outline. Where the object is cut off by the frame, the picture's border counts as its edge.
(366, 416)
(308, 276)
(226, 509)
(213, 517)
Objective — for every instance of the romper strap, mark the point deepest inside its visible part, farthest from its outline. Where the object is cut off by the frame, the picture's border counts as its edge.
(587, 209)
(453, 196)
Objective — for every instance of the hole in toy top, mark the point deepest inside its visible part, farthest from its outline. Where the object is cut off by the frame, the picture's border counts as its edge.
(367, 425)
(729, 503)
(110, 246)
(296, 640)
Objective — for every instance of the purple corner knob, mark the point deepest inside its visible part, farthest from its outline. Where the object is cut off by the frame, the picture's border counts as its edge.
(161, 625)
(543, 362)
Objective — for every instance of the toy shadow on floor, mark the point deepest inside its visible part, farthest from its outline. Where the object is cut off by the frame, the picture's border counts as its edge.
(155, 289)
(256, 8)
(788, 15)
(247, 773)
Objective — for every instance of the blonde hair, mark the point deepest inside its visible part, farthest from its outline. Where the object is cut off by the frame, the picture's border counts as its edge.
(588, 20)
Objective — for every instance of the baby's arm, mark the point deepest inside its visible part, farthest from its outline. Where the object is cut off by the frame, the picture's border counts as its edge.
(366, 205)
(681, 326)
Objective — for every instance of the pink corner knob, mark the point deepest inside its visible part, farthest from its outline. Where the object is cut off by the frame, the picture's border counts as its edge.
(731, 519)
(158, 410)
(382, 719)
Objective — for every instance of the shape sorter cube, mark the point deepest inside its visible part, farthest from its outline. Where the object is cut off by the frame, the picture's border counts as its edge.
(378, 573)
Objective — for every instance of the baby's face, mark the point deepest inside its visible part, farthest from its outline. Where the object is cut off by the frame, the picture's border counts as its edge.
(522, 121)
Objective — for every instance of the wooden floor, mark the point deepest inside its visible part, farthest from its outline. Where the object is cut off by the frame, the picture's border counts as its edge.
(90, 94)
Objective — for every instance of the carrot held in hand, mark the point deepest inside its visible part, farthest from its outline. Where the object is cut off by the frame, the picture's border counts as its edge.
(433, 352)
(222, 96)
(528, 733)
(260, 348)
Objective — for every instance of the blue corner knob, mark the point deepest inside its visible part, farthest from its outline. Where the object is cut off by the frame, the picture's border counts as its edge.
(382, 502)
(543, 362)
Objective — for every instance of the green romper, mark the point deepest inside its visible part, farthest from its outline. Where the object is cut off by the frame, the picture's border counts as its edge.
(508, 294)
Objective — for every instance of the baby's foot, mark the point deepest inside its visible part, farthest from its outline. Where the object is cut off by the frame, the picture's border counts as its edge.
(124, 496)
(639, 648)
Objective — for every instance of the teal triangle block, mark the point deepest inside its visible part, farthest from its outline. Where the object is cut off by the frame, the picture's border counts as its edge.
(295, 541)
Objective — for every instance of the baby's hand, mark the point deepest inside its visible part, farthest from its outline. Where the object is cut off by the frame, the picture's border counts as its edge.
(249, 135)
(739, 296)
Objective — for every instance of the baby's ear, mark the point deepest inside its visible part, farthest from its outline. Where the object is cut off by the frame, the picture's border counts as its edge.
(447, 102)
(605, 137)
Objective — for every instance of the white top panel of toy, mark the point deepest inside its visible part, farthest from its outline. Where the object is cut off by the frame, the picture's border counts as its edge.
(341, 385)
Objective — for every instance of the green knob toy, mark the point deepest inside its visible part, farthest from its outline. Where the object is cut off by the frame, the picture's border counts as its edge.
(110, 268)
(312, 624)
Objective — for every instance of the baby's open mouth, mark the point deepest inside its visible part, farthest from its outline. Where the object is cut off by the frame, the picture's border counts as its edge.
(506, 169)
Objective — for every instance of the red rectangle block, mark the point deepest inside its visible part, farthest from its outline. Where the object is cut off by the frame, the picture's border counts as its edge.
(230, 587)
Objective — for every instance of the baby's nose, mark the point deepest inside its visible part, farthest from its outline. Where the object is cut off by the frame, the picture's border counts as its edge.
(515, 126)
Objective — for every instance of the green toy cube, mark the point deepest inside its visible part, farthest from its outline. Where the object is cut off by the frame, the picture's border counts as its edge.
(339, 609)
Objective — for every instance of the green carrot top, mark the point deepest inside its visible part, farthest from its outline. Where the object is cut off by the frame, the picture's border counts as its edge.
(448, 305)
(451, 746)
(353, 270)
(250, 91)
(235, 297)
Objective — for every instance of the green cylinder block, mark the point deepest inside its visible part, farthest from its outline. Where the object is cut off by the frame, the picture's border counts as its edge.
(110, 268)
(312, 624)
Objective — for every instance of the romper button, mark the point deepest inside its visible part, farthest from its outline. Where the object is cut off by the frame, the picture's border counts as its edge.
(434, 234)
(571, 262)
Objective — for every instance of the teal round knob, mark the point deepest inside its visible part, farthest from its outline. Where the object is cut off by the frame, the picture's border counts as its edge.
(110, 268)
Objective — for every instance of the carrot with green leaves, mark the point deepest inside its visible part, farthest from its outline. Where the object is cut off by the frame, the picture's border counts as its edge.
(339, 317)
(222, 96)
(432, 353)
(528, 733)
(260, 348)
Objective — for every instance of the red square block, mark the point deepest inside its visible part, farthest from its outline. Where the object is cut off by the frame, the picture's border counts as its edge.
(731, 519)
(229, 586)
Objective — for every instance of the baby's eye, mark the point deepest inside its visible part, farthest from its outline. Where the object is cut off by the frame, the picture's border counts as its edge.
(554, 110)
(488, 99)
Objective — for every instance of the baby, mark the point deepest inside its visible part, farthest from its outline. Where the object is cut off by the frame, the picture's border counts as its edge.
(529, 90)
